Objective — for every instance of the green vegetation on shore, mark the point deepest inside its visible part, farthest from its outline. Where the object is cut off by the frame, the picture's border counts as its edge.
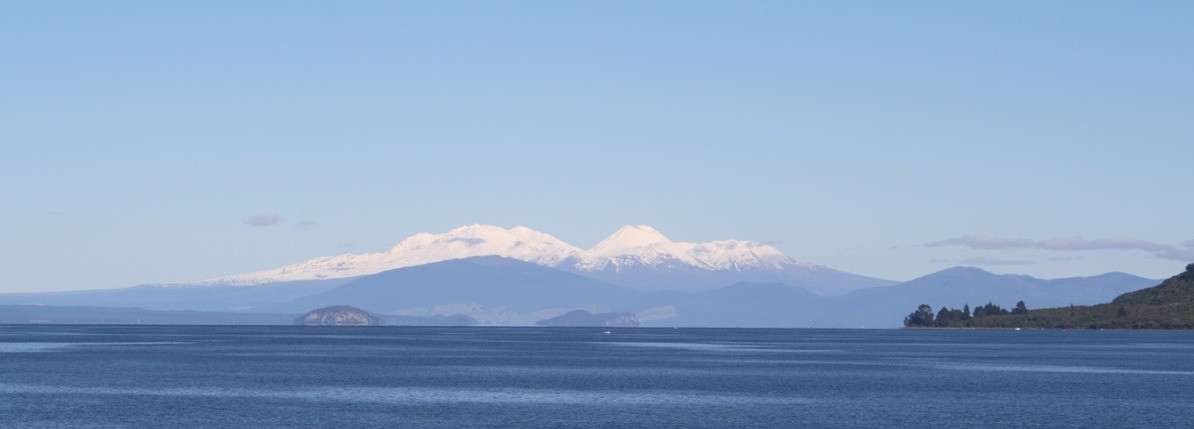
(1169, 305)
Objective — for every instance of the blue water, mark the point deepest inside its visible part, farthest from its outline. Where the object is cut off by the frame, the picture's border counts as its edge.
(203, 376)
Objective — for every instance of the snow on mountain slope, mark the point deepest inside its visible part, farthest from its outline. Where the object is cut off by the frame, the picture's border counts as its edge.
(628, 239)
(644, 246)
(636, 245)
(738, 255)
(630, 248)
(520, 243)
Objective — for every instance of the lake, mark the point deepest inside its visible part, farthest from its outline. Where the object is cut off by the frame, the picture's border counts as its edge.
(281, 376)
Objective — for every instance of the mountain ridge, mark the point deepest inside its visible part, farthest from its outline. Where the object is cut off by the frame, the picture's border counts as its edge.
(958, 286)
(491, 290)
(638, 256)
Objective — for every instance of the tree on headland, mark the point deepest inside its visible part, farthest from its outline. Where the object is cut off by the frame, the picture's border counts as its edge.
(989, 310)
(952, 317)
(923, 316)
(943, 318)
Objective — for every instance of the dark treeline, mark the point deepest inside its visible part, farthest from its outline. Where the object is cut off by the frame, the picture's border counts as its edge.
(1169, 305)
(952, 317)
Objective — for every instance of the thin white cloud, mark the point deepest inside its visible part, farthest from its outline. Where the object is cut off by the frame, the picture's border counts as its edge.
(984, 242)
(1069, 244)
(263, 220)
(1120, 243)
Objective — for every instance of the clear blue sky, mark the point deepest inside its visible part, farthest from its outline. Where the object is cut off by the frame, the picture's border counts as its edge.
(142, 140)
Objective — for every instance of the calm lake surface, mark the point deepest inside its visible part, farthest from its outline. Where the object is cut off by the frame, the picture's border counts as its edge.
(208, 376)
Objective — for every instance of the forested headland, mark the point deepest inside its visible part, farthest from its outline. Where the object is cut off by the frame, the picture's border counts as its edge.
(1169, 305)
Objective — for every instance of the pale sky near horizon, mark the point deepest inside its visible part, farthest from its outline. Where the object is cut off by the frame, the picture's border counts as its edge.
(174, 141)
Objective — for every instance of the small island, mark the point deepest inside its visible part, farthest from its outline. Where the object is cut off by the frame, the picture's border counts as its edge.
(339, 315)
(1169, 305)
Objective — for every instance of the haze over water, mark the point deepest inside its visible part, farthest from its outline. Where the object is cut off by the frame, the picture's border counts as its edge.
(204, 376)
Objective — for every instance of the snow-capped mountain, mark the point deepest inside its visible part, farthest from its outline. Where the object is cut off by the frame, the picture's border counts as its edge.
(638, 246)
(467, 241)
(635, 256)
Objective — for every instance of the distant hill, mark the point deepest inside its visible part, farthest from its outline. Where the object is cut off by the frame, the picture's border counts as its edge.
(954, 287)
(76, 315)
(180, 296)
(433, 320)
(789, 306)
(774, 305)
(491, 289)
(1169, 305)
(582, 318)
(339, 315)
(821, 280)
